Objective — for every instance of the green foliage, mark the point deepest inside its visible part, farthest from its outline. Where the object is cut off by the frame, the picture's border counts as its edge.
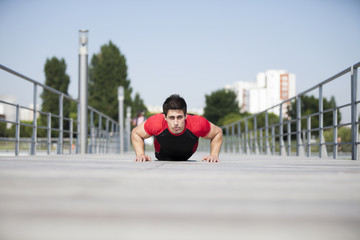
(310, 105)
(55, 77)
(4, 132)
(108, 71)
(138, 106)
(344, 135)
(219, 104)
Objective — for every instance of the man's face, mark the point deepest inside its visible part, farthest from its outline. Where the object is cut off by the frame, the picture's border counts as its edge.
(176, 121)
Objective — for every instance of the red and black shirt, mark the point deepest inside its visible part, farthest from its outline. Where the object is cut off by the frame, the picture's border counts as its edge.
(170, 146)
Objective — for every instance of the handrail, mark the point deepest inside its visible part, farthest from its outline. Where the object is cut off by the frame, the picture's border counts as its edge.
(244, 141)
(105, 139)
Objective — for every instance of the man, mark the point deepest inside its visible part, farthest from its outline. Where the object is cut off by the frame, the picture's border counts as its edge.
(176, 133)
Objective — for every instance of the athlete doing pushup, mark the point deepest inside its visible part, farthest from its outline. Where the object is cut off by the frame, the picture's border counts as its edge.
(176, 133)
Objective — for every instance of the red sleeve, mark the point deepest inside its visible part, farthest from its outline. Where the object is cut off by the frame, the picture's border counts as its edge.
(154, 125)
(198, 125)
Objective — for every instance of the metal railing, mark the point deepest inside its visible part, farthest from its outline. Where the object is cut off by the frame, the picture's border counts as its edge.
(287, 137)
(102, 137)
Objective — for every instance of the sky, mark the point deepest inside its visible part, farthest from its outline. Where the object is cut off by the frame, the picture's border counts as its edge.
(192, 48)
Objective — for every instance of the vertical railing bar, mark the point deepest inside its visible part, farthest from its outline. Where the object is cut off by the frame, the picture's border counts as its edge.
(17, 131)
(321, 123)
(71, 136)
(298, 124)
(227, 140)
(48, 133)
(309, 136)
(61, 124)
(289, 138)
(34, 132)
(92, 130)
(281, 131)
(246, 137)
(266, 133)
(107, 136)
(261, 141)
(354, 130)
(273, 139)
(335, 134)
(99, 134)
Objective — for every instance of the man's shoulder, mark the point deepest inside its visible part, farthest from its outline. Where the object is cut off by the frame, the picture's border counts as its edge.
(199, 125)
(155, 124)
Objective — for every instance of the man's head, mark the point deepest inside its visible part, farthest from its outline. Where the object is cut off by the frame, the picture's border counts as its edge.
(174, 102)
(174, 109)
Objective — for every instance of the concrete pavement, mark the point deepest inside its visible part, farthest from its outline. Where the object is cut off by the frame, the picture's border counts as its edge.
(242, 197)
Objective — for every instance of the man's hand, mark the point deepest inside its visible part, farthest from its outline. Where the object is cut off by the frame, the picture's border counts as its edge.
(142, 158)
(211, 158)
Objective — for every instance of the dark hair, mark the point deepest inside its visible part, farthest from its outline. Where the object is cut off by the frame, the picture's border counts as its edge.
(174, 102)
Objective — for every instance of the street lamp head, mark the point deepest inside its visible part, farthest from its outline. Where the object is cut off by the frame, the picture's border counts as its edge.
(83, 37)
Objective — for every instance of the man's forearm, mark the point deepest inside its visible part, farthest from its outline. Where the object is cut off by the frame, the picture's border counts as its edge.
(138, 143)
(215, 144)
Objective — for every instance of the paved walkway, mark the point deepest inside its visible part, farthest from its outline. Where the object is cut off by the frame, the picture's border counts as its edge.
(243, 197)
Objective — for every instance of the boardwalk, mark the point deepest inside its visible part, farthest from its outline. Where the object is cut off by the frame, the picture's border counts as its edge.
(243, 197)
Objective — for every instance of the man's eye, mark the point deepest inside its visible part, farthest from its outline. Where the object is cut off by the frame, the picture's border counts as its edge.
(172, 118)
(180, 117)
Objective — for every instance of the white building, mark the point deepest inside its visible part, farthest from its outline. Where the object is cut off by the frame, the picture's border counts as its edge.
(8, 112)
(271, 88)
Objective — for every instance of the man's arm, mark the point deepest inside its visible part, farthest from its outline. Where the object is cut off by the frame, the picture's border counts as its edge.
(216, 138)
(138, 135)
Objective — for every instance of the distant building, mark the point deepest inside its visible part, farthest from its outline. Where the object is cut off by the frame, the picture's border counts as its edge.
(8, 112)
(271, 88)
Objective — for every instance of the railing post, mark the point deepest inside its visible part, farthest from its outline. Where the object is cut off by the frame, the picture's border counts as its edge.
(266, 133)
(34, 132)
(17, 131)
(92, 130)
(246, 137)
(233, 138)
(261, 141)
(354, 130)
(239, 142)
(100, 134)
(309, 136)
(298, 124)
(321, 121)
(335, 141)
(107, 136)
(227, 139)
(61, 124)
(71, 135)
(83, 89)
(49, 133)
(273, 139)
(256, 146)
(281, 130)
(289, 138)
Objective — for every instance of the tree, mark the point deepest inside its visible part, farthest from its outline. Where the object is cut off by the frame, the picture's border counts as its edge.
(310, 105)
(138, 106)
(55, 77)
(219, 104)
(108, 71)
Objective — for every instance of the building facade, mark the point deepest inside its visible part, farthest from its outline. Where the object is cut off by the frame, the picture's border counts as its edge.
(270, 88)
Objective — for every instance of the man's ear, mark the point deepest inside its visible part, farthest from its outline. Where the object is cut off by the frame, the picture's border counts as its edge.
(164, 115)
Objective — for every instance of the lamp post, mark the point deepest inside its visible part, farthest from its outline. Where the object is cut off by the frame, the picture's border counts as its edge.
(121, 117)
(128, 115)
(83, 88)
